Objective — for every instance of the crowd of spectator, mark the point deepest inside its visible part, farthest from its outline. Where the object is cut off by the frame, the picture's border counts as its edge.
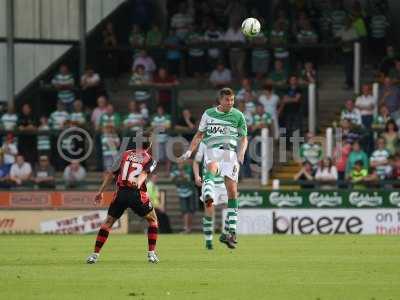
(369, 151)
(205, 39)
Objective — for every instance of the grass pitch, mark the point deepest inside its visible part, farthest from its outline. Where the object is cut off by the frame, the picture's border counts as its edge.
(263, 267)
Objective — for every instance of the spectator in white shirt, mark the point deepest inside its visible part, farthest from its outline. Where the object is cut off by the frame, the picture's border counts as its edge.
(237, 56)
(351, 113)
(146, 61)
(247, 94)
(270, 100)
(90, 83)
(99, 110)
(74, 175)
(366, 105)
(10, 149)
(181, 21)
(326, 173)
(221, 76)
(21, 172)
(212, 35)
(9, 120)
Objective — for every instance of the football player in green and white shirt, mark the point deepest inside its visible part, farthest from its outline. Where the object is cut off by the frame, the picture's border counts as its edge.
(219, 197)
(223, 129)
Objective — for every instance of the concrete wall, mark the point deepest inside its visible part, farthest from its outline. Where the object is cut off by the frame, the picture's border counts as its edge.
(3, 72)
(44, 19)
(31, 60)
(2, 18)
(96, 10)
(47, 19)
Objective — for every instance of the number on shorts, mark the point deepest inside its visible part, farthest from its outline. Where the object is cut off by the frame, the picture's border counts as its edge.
(131, 170)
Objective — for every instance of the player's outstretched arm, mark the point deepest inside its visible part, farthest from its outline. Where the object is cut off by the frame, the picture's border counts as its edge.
(242, 148)
(193, 145)
(196, 172)
(107, 180)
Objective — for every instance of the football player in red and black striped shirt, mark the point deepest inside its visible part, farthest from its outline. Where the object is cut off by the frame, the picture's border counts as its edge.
(130, 170)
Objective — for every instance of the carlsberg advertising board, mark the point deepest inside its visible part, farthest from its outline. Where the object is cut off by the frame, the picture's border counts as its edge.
(320, 199)
(319, 221)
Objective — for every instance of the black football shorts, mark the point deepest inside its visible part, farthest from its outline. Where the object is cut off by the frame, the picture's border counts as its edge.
(126, 197)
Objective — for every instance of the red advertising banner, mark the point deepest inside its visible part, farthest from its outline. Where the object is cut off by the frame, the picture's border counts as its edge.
(46, 200)
(57, 221)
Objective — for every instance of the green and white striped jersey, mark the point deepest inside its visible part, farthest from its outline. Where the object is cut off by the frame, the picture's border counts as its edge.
(43, 139)
(378, 25)
(163, 120)
(9, 121)
(380, 155)
(58, 119)
(338, 19)
(110, 144)
(199, 157)
(354, 116)
(222, 129)
(311, 153)
(78, 117)
(265, 119)
(66, 96)
(184, 185)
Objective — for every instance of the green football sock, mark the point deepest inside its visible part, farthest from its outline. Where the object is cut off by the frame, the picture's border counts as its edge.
(232, 215)
(208, 229)
(208, 185)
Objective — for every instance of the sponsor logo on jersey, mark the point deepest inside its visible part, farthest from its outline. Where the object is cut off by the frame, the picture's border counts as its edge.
(215, 129)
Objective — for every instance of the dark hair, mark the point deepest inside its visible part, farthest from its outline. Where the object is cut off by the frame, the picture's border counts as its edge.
(396, 128)
(359, 163)
(142, 140)
(225, 92)
(330, 163)
(267, 87)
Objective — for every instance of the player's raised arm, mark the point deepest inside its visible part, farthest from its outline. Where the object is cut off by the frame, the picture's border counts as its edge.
(242, 148)
(198, 137)
(243, 139)
(107, 180)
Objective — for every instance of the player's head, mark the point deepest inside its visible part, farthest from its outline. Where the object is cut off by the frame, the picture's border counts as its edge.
(142, 141)
(226, 99)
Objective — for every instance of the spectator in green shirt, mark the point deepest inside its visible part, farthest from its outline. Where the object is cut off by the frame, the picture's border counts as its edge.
(110, 118)
(261, 119)
(161, 123)
(278, 76)
(357, 154)
(358, 174)
(154, 39)
(136, 39)
(182, 177)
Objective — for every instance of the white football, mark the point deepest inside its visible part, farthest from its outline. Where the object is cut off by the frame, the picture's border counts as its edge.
(251, 27)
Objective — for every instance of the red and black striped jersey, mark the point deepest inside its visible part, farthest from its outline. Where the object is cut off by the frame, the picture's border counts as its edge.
(129, 165)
